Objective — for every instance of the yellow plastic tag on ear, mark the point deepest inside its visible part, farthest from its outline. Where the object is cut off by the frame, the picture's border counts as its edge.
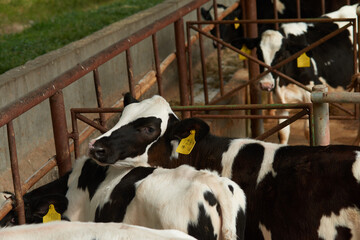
(245, 50)
(236, 25)
(187, 144)
(52, 215)
(303, 61)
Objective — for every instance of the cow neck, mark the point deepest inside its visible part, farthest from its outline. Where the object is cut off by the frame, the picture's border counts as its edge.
(206, 154)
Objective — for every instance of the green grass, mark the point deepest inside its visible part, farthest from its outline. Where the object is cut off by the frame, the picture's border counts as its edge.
(47, 34)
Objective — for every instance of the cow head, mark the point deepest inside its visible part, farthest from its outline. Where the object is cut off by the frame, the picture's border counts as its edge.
(147, 132)
(272, 48)
(227, 31)
(35, 208)
(140, 126)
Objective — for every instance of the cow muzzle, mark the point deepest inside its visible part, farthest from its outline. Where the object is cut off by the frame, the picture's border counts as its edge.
(266, 86)
(98, 152)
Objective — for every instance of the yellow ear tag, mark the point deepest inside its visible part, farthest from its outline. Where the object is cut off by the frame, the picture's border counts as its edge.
(236, 25)
(187, 144)
(303, 61)
(52, 215)
(245, 50)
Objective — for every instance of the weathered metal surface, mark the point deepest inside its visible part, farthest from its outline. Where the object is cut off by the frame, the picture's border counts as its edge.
(257, 126)
(61, 135)
(99, 95)
(321, 118)
(306, 109)
(181, 63)
(157, 64)
(15, 173)
(335, 97)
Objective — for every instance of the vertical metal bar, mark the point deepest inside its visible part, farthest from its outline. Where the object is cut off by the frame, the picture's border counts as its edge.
(321, 119)
(157, 64)
(75, 134)
(130, 71)
(203, 61)
(15, 173)
(181, 64)
(354, 48)
(243, 7)
(61, 135)
(189, 50)
(99, 96)
(257, 127)
(298, 8)
(276, 15)
(311, 126)
(323, 7)
(219, 53)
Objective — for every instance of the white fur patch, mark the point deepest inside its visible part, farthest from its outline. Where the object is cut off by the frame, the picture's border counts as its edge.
(315, 66)
(228, 157)
(220, 10)
(265, 232)
(347, 11)
(280, 7)
(356, 167)
(156, 106)
(270, 44)
(267, 163)
(174, 153)
(78, 199)
(295, 29)
(348, 217)
(64, 230)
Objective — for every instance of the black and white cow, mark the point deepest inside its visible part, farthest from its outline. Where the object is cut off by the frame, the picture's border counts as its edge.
(285, 9)
(199, 203)
(331, 63)
(63, 230)
(292, 192)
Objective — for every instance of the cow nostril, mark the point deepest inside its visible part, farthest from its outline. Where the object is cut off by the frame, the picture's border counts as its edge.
(99, 152)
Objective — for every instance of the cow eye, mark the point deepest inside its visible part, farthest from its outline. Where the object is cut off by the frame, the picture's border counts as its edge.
(149, 129)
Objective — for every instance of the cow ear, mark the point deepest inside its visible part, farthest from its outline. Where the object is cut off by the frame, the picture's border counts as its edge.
(250, 43)
(40, 206)
(206, 14)
(182, 128)
(128, 99)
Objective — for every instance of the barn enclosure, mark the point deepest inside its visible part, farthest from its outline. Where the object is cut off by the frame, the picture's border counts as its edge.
(58, 107)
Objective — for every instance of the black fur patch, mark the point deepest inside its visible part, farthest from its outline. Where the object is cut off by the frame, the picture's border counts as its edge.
(209, 196)
(121, 196)
(343, 233)
(92, 175)
(203, 229)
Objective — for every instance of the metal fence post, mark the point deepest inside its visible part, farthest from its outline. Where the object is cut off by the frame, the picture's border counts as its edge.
(61, 136)
(321, 118)
(182, 64)
(257, 127)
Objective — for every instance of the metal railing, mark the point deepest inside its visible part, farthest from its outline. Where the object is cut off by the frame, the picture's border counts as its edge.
(52, 91)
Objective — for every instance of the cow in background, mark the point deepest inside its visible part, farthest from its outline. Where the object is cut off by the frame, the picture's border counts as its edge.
(331, 63)
(292, 192)
(285, 9)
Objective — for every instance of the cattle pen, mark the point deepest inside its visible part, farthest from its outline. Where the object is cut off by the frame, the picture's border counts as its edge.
(185, 35)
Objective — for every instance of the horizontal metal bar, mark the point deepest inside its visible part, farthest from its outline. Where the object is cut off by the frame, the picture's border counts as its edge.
(205, 107)
(306, 20)
(335, 97)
